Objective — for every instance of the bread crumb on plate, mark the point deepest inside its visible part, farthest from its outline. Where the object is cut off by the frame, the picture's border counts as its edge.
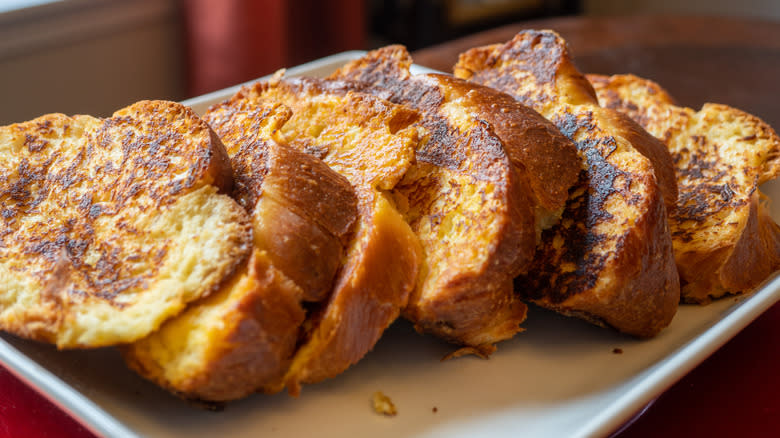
(383, 405)
(481, 351)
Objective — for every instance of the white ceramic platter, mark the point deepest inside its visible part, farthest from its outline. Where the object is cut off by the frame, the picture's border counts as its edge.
(559, 378)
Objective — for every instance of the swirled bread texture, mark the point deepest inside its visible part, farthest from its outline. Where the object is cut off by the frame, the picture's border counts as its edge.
(371, 143)
(242, 339)
(334, 262)
(111, 226)
(724, 240)
(610, 259)
(490, 174)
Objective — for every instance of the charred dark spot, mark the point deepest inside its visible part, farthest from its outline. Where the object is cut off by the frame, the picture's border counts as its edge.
(539, 52)
(85, 202)
(316, 150)
(35, 144)
(726, 193)
(77, 247)
(64, 200)
(47, 249)
(95, 211)
(154, 147)
(584, 210)
(430, 149)
(705, 187)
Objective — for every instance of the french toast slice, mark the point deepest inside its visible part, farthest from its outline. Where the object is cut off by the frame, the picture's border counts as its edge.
(282, 341)
(111, 226)
(610, 259)
(371, 142)
(724, 240)
(242, 339)
(490, 174)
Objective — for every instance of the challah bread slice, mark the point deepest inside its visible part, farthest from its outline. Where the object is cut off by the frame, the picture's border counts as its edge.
(303, 213)
(490, 173)
(111, 226)
(610, 259)
(242, 339)
(235, 342)
(371, 142)
(724, 239)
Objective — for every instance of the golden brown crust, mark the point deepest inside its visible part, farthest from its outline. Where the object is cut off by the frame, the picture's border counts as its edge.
(548, 78)
(95, 213)
(243, 339)
(536, 148)
(314, 207)
(372, 288)
(485, 169)
(757, 248)
(724, 240)
(540, 153)
(371, 143)
(238, 341)
(609, 260)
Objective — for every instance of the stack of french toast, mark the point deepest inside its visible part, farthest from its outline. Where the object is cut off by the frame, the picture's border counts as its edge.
(268, 243)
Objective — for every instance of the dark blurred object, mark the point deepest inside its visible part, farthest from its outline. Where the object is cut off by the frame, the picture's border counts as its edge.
(421, 23)
(233, 41)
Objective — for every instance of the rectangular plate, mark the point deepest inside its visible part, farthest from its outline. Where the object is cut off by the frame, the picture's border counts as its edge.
(559, 378)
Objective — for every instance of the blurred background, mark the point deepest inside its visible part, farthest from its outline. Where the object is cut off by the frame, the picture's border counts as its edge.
(95, 56)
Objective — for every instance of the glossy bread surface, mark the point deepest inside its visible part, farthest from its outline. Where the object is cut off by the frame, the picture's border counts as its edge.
(724, 239)
(242, 339)
(609, 260)
(477, 197)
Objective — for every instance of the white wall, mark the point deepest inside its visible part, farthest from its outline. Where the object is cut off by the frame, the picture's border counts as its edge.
(88, 57)
(769, 9)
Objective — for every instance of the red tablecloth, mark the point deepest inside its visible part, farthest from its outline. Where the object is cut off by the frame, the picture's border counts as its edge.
(25, 414)
(734, 393)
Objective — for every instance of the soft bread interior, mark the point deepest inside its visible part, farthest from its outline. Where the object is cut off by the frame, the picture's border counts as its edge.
(469, 198)
(721, 155)
(370, 142)
(113, 225)
(235, 342)
(241, 339)
(609, 259)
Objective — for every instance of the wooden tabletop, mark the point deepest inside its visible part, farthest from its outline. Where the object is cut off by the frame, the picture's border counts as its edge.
(697, 59)
(736, 392)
